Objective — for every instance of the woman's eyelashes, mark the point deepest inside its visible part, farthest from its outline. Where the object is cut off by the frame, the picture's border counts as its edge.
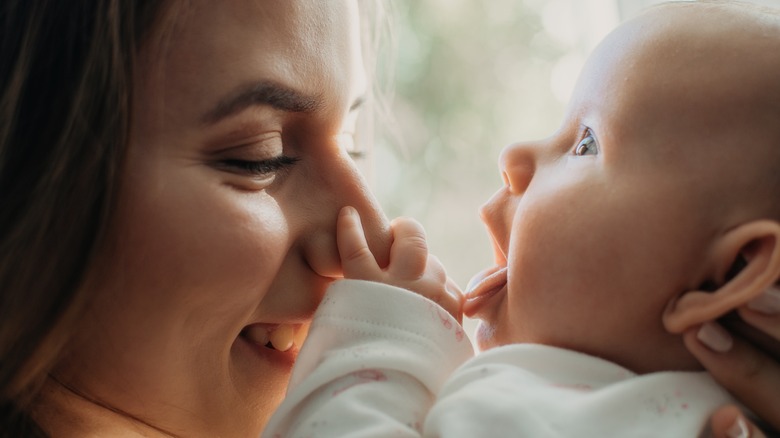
(587, 146)
(357, 155)
(258, 168)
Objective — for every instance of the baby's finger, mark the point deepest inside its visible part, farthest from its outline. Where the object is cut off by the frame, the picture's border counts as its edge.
(409, 253)
(454, 290)
(457, 298)
(357, 261)
(434, 269)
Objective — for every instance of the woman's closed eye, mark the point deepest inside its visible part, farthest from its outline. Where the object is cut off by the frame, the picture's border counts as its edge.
(257, 168)
(587, 146)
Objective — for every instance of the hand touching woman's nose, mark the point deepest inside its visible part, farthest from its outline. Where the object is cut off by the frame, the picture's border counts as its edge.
(340, 184)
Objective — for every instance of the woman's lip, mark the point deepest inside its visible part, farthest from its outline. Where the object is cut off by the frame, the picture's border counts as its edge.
(482, 286)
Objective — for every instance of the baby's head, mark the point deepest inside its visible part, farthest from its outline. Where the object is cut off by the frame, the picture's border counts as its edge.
(624, 228)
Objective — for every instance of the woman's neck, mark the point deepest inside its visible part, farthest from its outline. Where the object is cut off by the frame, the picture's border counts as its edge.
(64, 413)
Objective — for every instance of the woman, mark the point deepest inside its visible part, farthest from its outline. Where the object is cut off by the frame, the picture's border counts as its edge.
(170, 175)
(198, 251)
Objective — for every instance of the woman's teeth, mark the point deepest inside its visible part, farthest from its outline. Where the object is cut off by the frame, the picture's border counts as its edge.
(280, 337)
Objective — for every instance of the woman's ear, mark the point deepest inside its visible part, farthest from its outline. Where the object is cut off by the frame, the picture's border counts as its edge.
(755, 248)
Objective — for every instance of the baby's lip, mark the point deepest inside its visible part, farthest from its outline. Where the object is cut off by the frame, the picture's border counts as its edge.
(480, 277)
(482, 286)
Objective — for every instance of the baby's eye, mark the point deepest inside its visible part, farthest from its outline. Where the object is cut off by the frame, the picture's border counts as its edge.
(587, 146)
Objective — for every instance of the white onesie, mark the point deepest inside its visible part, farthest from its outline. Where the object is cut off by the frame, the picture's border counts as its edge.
(384, 362)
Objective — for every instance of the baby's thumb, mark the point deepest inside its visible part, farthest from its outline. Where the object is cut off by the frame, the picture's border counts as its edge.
(409, 253)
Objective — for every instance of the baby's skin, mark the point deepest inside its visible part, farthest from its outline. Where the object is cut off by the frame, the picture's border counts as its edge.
(411, 266)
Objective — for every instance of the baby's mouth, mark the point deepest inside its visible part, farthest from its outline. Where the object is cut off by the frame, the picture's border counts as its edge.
(482, 286)
(280, 337)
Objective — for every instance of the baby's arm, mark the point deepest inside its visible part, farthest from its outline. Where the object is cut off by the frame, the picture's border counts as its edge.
(376, 354)
(411, 267)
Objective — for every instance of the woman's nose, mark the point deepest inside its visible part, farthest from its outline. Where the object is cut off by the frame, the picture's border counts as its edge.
(341, 184)
(517, 166)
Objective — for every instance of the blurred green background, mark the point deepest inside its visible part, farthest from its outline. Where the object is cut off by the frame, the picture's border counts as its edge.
(470, 77)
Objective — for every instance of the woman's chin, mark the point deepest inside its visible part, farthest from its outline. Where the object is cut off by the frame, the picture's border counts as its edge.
(260, 370)
(258, 378)
(259, 362)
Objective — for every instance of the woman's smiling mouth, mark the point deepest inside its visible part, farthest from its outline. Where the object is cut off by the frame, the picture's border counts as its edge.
(280, 337)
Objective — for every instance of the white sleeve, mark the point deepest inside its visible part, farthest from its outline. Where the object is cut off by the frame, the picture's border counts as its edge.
(374, 359)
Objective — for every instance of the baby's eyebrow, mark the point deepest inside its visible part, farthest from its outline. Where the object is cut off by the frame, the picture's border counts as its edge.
(263, 93)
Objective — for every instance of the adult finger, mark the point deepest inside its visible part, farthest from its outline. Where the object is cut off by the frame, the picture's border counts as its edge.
(409, 253)
(769, 324)
(357, 261)
(760, 330)
(730, 422)
(759, 322)
(750, 375)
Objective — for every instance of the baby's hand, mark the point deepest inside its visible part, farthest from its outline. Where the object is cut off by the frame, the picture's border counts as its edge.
(411, 267)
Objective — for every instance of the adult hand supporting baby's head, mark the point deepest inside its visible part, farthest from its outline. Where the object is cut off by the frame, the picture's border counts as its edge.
(730, 422)
(752, 375)
(411, 266)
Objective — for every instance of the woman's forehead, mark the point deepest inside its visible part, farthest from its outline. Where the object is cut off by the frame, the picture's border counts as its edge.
(206, 51)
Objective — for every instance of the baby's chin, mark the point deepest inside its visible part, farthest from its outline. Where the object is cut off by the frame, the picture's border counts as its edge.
(486, 336)
(489, 335)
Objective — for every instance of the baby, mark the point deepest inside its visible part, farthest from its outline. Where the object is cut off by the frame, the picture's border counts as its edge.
(654, 208)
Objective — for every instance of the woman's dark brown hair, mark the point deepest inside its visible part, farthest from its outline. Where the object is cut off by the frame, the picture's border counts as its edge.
(66, 69)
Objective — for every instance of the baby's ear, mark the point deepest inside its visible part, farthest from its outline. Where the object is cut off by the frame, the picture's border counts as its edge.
(744, 262)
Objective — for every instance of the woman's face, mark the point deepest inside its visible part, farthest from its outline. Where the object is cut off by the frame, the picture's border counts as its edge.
(238, 164)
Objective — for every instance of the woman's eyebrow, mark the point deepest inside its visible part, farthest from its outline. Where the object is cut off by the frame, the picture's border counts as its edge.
(263, 93)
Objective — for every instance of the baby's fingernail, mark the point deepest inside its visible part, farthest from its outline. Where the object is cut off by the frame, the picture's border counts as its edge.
(348, 211)
(739, 429)
(715, 337)
(767, 303)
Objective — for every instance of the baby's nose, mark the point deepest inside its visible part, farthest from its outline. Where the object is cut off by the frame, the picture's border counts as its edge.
(517, 166)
